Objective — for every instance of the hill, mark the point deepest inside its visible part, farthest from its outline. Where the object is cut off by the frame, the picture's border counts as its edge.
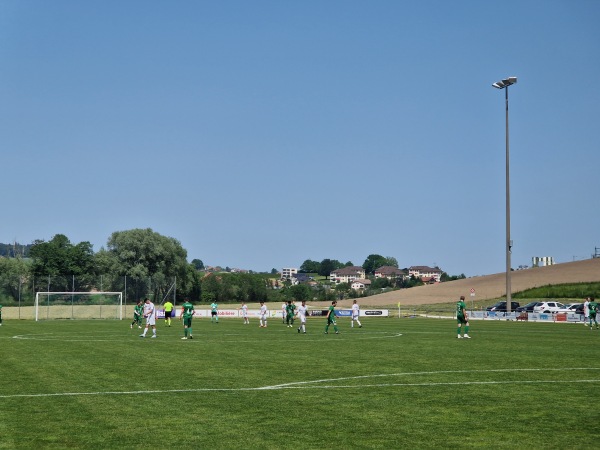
(488, 286)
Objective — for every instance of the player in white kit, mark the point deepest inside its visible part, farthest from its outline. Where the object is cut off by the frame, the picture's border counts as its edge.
(244, 309)
(263, 315)
(150, 315)
(355, 314)
(302, 310)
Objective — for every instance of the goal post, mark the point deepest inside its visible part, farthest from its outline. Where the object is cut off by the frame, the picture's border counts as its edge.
(78, 305)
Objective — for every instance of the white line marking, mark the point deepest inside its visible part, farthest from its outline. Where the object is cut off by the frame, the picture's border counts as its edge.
(79, 337)
(306, 384)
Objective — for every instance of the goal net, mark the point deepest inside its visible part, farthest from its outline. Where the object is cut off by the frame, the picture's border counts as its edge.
(78, 305)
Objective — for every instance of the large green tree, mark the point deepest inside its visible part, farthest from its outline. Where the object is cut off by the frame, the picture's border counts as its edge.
(198, 264)
(310, 266)
(147, 256)
(299, 292)
(64, 264)
(329, 265)
(14, 273)
(375, 261)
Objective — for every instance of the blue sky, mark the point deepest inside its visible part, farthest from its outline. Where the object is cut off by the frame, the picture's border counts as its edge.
(264, 133)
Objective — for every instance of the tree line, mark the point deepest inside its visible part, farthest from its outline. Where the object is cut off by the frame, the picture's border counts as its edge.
(141, 262)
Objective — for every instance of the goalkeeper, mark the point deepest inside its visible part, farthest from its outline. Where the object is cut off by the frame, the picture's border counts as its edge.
(137, 314)
(187, 314)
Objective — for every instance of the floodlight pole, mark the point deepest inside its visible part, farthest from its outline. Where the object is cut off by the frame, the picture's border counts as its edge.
(504, 84)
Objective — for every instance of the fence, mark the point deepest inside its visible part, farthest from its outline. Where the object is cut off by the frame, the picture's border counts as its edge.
(20, 290)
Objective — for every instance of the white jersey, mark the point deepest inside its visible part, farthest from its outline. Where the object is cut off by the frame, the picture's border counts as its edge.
(355, 310)
(284, 309)
(244, 310)
(302, 310)
(586, 308)
(263, 312)
(150, 313)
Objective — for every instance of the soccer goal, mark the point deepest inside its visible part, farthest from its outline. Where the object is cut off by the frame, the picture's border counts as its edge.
(78, 305)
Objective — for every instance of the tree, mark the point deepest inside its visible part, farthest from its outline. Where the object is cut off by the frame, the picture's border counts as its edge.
(300, 292)
(391, 261)
(211, 288)
(149, 257)
(64, 263)
(13, 275)
(198, 264)
(342, 289)
(309, 266)
(412, 281)
(381, 283)
(329, 265)
(446, 277)
(374, 262)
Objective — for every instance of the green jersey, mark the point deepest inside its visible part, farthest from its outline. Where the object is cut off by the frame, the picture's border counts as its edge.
(331, 315)
(187, 310)
(460, 308)
(290, 309)
(593, 306)
(137, 311)
(213, 307)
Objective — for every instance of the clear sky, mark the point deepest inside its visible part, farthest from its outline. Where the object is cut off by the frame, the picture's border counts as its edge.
(263, 133)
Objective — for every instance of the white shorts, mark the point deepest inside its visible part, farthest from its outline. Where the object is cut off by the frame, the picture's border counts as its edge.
(150, 320)
(302, 319)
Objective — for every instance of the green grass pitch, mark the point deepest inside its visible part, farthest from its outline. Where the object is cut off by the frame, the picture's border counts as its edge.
(395, 383)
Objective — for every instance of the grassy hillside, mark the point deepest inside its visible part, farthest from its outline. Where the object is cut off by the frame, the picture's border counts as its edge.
(489, 287)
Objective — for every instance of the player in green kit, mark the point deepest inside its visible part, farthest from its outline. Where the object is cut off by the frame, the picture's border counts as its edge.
(187, 314)
(290, 310)
(593, 309)
(331, 318)
(138, 310)
(214, 313)
(461, 318)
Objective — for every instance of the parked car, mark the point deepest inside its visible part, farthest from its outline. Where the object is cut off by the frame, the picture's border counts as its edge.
(501, 307)
(527, 308)
(548, 307)
(576, 308)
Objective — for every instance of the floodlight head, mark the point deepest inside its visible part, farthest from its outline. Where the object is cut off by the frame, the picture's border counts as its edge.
(505, 82)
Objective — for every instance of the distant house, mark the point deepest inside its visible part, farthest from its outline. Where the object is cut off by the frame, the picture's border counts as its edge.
(360, 284)
(301, 278)
(428, 280)
(426, 273)
(347, 274)
(390, 272)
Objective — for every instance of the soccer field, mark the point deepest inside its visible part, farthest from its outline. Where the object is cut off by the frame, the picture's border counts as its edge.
(395, 383)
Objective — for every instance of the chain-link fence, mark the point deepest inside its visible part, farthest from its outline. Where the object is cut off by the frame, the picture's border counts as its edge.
(19, 291)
